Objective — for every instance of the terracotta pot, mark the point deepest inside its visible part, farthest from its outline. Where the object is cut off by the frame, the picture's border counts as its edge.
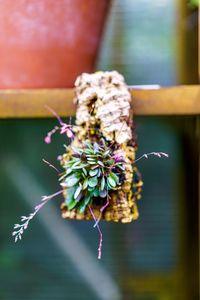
(47, 43)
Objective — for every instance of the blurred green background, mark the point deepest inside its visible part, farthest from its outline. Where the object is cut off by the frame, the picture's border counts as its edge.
(154, 258)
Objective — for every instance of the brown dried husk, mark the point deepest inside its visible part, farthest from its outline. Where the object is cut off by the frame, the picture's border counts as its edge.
(104, 102)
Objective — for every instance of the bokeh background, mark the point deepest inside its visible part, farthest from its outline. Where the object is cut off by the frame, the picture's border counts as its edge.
(154, 258)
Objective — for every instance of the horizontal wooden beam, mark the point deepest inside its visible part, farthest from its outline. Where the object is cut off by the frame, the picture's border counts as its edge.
(178, 100)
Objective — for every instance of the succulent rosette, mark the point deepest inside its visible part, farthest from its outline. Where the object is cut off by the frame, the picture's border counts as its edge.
(91, 173)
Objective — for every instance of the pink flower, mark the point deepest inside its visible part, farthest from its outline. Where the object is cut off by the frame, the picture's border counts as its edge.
(66, 129)
(118, 157)
(63, 128)
(47, 139)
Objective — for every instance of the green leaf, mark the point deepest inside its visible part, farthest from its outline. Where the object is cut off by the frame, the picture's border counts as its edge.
(78, 190)
(72, 180)
(111, 181)
(88, 144)
(100, 163)
(85, 171)
(96, 193)
(102, 183)
(62, 177)
(103, 194)
(111, 162)
(70, 195)
(114, 177)
(77, 163)
(80, 166)
(88, 151)
(93, 172)
(82, 207)
(68, 171)
(72, 204)
(106, 152)
(121, 167)
(85, 183)
(86, 201)
(94, 167)
(92, 162)
(93, 181)
(91, 157)
(91, 189)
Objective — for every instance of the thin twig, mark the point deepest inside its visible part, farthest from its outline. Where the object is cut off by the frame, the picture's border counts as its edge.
(21, 227)
(102, 209)
(50, 165)
(100, 234)
(146, 155)
(55, 114)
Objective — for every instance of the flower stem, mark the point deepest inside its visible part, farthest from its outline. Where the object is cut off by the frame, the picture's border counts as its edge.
(100, 233)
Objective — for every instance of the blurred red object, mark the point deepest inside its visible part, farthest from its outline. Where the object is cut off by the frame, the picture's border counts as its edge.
(47, 43)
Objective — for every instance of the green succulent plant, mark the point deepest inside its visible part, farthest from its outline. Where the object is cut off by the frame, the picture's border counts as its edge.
(90, 174)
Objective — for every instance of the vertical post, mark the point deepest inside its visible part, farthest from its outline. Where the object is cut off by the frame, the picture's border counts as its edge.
(187, 43)
(188, 73)
(198, 133)
(199, 43)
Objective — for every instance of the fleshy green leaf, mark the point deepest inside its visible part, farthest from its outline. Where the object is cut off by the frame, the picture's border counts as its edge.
(93, 162)
(80, 166)
(100, 163)
(99, 173)
(91, 189)
(111, 162)
(94, 167)
(96, 193)
(68, 171)
(82, 206)
(102, 183)
(103, 194)
(93, 181)
(93, 172)
(121, 167)
(106, 152)
(114, 177)
(72, 204)
(78, 190)
(84, 171)
(76, 164)
(85, 183)
(111, 181)
(72, 180)
(70, 195)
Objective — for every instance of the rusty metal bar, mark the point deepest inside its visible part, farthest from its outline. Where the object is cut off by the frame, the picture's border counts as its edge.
(149, 100)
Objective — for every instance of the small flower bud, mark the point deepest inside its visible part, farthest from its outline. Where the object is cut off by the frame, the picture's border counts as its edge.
(47, 139)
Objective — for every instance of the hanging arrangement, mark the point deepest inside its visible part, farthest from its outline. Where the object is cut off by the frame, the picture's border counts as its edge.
(100, 180)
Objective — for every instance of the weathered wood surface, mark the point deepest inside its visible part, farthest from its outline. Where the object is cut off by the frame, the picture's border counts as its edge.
(178, 100)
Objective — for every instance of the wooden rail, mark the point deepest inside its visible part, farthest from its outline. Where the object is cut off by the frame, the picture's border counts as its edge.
(178, 100)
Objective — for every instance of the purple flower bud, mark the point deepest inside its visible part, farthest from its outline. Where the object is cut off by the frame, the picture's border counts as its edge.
(69, 133)
(47, 139)
(118, 157)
